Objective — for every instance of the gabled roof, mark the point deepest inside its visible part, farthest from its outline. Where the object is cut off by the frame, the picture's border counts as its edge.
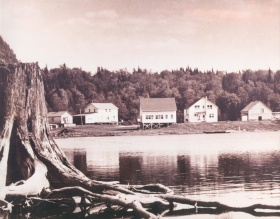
(252, 104)
(102, 106)
(194, 102)
(57, 114)
(157, 104)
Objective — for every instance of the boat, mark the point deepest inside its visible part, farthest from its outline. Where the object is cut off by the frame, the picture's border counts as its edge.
(216, 132)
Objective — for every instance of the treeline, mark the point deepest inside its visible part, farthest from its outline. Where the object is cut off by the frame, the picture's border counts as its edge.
(7, 55)
(72, 89)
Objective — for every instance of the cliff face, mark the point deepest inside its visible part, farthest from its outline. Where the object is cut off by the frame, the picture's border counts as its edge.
(7, 55)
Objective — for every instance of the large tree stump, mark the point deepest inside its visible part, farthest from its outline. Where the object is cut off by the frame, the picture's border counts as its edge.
(30, 160)
(31, 163)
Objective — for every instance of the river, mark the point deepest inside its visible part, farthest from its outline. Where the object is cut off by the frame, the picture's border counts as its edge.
(237, 169)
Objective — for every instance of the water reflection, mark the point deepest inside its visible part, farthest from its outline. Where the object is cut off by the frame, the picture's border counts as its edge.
(213, 171)
(78, 158)
(253, 170)
(130, 168)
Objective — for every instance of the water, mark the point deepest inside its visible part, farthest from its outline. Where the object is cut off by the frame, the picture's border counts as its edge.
(237, 169)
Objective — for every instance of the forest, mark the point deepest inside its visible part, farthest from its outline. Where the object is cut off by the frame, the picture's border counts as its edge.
(38, 181)
(72, 89)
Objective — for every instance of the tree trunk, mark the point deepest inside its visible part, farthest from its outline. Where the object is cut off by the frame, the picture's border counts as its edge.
(30, 160)
(25, 143)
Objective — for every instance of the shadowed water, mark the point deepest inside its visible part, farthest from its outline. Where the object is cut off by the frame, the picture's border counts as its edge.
(237, 169)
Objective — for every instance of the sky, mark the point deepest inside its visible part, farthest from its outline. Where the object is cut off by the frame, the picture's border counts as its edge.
(225, 35)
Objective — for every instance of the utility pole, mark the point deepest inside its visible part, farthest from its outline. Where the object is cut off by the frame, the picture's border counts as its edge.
(81, 117)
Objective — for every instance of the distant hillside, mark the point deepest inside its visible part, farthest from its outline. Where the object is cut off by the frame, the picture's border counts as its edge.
(6, 53)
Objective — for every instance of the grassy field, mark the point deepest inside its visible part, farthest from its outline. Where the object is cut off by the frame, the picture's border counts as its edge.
(181, 128)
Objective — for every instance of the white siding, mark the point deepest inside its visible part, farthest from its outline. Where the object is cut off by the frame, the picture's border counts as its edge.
(202, 111)
(65, 118)
(259, 112)
(244, 118)
(90, 109)
(102, 116)
(275, 115)
(101, 113)
(158, 117)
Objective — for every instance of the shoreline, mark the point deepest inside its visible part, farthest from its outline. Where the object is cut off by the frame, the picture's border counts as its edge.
(222, 127)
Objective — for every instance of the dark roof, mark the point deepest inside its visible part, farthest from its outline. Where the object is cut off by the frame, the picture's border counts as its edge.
(157, 104)
(251, 105)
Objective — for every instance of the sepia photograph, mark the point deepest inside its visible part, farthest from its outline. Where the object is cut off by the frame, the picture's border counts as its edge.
(139, 109)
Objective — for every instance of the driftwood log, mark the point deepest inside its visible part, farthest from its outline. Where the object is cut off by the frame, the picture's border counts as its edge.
(36, 177)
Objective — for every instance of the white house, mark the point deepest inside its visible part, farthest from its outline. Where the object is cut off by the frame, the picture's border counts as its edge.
(60, 118)
(275, 115)
(157, 111)
(99, 113)
(202, 110)
(256, 111)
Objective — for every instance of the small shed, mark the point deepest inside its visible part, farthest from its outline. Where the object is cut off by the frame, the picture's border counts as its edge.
(60, 118)
(275, 115)
(256, 111)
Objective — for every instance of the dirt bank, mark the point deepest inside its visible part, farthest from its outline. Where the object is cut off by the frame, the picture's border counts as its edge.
(181, 128)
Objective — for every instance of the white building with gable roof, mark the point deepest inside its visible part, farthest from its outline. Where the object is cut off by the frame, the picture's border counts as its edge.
(98, 113)
(202, 110)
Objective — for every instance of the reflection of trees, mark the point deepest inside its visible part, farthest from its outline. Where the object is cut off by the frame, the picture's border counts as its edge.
(184, 170)
(231, 165)
(250, 167)
(80, 160)
(130, 168)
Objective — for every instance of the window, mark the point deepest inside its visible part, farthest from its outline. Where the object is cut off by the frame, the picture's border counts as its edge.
(65, 120)
(211, 115)
(89, 110)
(166, 116)
(196, 106)
(195, 114)
(105, 110)
(262, 110)
(149, 117)
(157, 117)
(171, 116)
(161, 116)
(109, 110)
(209, 106)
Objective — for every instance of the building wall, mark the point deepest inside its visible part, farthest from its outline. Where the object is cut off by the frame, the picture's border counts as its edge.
(202, 111)
(102, 116)
(244, 117)
(90, 109)
(259, 110)
(275, 115)
(65, 118)
(158, 117)
(54, 120)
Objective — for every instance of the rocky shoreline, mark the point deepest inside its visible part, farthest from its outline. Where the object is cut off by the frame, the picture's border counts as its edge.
(176, 129)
